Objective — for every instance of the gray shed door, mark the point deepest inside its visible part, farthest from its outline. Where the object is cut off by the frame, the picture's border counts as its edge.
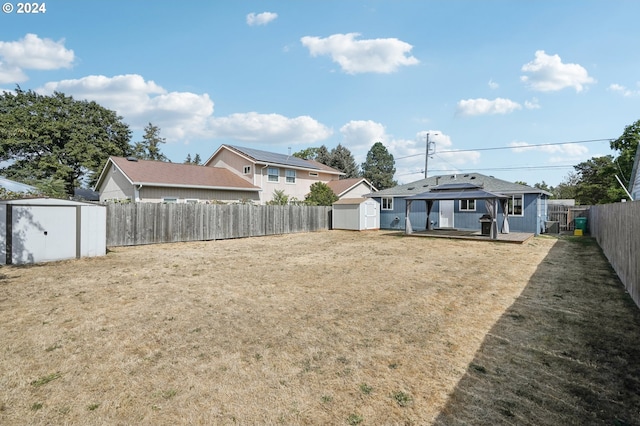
(446, 214)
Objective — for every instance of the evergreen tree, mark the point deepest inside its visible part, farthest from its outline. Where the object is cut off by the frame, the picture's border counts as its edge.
(149, 147)
(342, 159)
(188, 159)
(379, 167)
(197, 160)
(320, 195)
(51, 138)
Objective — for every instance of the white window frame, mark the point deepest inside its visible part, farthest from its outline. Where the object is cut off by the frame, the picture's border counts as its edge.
(386, 203)
(467, 208)
(246, 170)
(270, 175)
(511, 203)
(170, 200)
(287, 176)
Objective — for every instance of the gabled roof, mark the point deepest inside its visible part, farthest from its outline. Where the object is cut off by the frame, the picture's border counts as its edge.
(341, 186)
(160, 173)
(486, 183)
(272, 158)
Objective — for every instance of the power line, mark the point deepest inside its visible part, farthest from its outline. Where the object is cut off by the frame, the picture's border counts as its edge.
(559, 166)
(509, 147)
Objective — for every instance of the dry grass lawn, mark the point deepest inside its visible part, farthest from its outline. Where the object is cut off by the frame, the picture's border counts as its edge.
(323, 328)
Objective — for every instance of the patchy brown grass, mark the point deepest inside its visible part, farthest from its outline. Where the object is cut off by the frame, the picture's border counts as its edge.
(324, 328)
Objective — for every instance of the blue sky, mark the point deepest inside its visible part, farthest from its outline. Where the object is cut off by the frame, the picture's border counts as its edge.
(280, 75)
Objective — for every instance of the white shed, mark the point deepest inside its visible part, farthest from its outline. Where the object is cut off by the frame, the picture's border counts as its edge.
(356, 214)
(45, 229)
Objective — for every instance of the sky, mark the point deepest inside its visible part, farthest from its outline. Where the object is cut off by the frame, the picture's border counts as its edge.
(546, 83)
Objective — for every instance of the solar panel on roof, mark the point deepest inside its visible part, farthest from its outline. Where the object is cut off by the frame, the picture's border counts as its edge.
(272, 157)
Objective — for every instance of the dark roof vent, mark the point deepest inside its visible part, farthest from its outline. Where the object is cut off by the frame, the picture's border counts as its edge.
(467, 176)
(411, 188)
(472, 177)
(132, 159)
(425, 186)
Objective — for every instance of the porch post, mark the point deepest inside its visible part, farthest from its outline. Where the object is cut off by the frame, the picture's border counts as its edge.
(407, 222)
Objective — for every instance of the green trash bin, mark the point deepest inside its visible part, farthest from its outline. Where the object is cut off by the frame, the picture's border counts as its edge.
(581, 223)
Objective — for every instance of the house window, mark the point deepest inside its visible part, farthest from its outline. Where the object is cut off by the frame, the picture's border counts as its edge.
(467, 205)
(170, 200)
(273, 173)
(192, 201)
(515, 205)
(290, 176)
(387, 203)
(246, 170)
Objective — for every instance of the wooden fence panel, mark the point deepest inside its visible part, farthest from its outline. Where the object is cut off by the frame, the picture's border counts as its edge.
(616, 227)
(152, 223)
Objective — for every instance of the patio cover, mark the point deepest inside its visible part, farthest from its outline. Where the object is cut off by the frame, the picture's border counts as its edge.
(462, 192)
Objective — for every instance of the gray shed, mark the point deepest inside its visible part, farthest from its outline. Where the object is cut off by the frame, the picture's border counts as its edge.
(356, 214)
(46, 229)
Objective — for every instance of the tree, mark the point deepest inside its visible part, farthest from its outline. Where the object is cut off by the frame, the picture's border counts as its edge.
(626, 145)
(566, 190)
(279, 198)
(320, 154)
(197, 160)
(597, 183)
(342, 159)
(379, 167)
(188, 159)
(320, 195)
(149, 147)
(521, 182)
(57, 137)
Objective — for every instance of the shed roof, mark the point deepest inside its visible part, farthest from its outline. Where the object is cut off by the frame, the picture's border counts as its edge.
(46, 202)
(351, 201)
(341, 186)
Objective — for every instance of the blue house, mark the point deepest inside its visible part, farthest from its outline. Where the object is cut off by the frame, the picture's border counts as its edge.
(526, 206)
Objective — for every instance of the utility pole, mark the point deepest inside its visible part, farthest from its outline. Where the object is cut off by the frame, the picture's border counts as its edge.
(431, 149)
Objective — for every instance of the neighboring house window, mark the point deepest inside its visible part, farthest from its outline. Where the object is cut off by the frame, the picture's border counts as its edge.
(387, 203)
(273, 173)
(515, 205)
(192, 201)
(467, 205)
(169, 199)
(313, 173)
(246, 170)
(290, 176)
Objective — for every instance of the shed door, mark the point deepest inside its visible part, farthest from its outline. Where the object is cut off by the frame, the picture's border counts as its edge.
(446, 214)
(370, 215)
(42, 233)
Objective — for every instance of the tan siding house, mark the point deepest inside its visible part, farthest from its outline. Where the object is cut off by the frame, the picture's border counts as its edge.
(271, 171)
(157, 181)
(351, 188)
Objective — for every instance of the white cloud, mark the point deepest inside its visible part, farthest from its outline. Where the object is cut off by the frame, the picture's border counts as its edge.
(566, 153)
(532, 104)
(549, 74)
(624, 91)
(382, 55)
(32, 52)
(481, 106)
(185, 115)
(493, 85)
(261, 18)
(410, 156)
(362, 134)
(269, 128)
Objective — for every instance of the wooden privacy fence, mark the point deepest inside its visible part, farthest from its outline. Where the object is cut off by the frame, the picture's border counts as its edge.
(616, 227)
(150, 223)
